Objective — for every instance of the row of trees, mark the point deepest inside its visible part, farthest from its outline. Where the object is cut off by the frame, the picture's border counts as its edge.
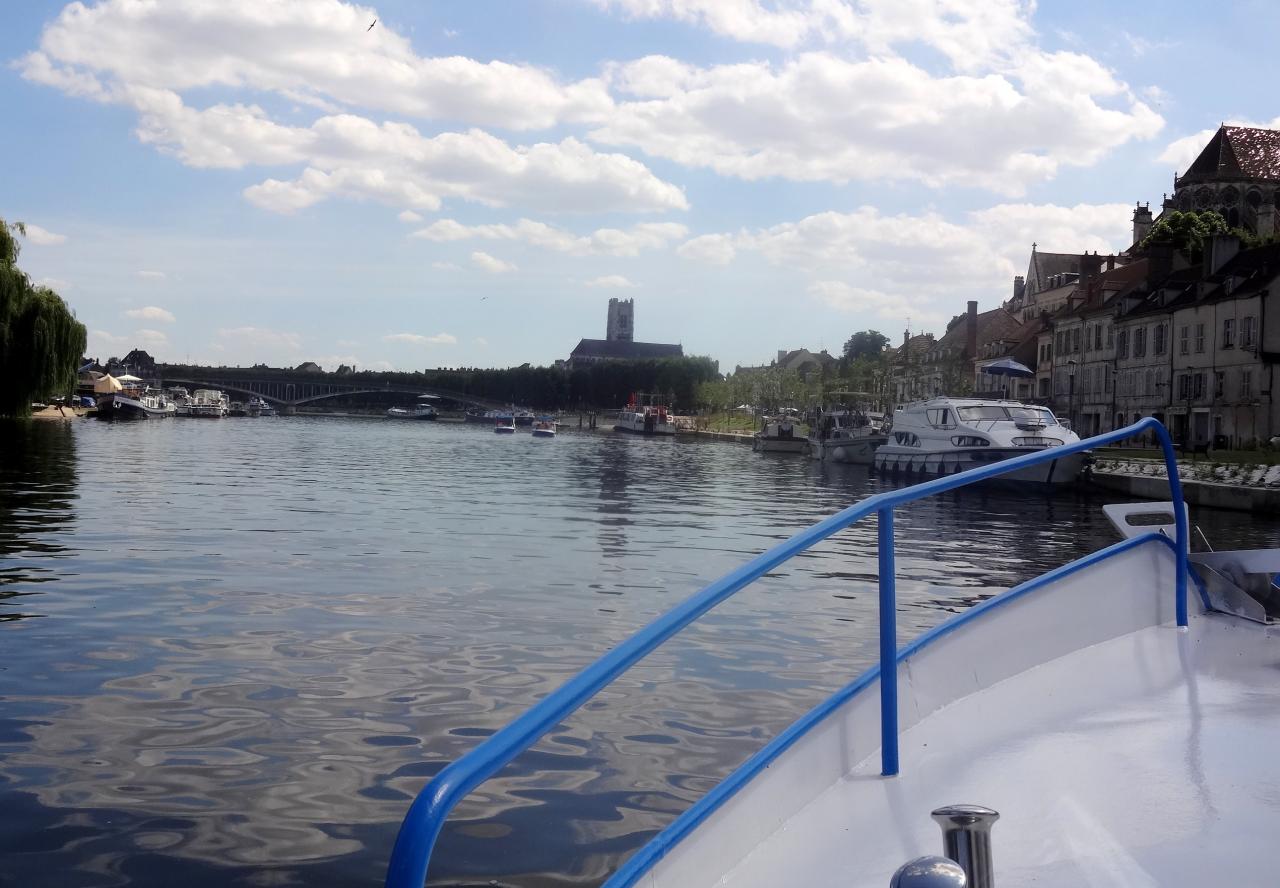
(41, 342)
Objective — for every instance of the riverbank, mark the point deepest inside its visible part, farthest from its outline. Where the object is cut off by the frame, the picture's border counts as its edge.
(64, 413)
(1239, 486)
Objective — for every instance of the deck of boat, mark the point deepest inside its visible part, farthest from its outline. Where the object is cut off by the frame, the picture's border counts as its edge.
(1143, 760)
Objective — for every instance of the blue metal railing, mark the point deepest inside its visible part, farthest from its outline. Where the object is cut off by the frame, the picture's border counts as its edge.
(426, 816)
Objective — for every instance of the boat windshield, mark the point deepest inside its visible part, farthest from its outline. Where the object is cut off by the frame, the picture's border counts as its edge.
(999, 412)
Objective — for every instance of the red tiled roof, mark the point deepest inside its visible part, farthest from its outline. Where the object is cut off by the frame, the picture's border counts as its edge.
(1237, 152)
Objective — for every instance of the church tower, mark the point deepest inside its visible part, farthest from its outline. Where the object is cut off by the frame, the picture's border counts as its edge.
(621, 327)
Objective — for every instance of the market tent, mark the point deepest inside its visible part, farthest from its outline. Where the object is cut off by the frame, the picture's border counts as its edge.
(128, 378)
(106, 384)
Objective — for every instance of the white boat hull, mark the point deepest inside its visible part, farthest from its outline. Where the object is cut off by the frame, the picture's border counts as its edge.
(544, 433)
(904, 461)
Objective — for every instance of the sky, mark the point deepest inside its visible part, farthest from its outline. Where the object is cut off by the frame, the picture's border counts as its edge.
(467, 183)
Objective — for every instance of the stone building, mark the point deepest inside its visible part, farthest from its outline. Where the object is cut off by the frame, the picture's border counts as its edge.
(618, 344)
(923, 368)
(1237, 174)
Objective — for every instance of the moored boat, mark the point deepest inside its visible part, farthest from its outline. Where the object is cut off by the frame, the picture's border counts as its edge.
(544, 427)
(421, 410)
(645, 415)
(1119, 724)
(942, 436)
(505, 424)
(208, 404)
(134, 404)
(779, 435)
(844, 435)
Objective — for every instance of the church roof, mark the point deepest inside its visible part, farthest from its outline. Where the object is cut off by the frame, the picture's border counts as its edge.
(1045, 265)
(1237, 152)
(622, 350)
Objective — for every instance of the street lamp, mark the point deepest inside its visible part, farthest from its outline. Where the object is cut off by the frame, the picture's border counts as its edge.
(1071, 394)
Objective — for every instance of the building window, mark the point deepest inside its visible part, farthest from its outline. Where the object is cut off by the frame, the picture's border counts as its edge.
(1197, 386)
(1246, 384)
(1097, 337)
(1140, 342)
(1184, 385)
(1044, 388)
(1248, 330)
(1122, 344)
(1229, 333)
(1219, 384)
(1199, 339)
(1184, 340)
(1157, 343)
(1147, 388)
(1110, 335)
(1075, 340)
(1106, 380)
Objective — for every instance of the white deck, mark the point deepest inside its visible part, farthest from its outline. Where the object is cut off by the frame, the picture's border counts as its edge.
(1150, 757)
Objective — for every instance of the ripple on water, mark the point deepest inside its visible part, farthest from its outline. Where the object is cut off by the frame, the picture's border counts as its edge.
(235, 650)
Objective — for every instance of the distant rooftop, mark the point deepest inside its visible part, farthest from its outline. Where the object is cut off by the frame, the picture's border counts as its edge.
(622, 350)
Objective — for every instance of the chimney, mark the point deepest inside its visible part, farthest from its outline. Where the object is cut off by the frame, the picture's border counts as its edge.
(1142, 222)
(1111, 262)
(971, 331)
(906, 337)
(1159, 262)
(1218, 250)
(782, 353)
(1019, 288)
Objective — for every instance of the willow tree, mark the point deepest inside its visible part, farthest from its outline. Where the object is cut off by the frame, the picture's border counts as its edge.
(41, 341)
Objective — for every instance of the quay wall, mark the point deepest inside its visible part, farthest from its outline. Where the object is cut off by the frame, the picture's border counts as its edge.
(1239, 497)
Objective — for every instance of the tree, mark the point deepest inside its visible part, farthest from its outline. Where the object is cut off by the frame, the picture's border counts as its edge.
(865, 344)
(1185, 231)
(41, 342)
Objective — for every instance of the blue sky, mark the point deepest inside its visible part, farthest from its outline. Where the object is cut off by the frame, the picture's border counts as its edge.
(469, 183)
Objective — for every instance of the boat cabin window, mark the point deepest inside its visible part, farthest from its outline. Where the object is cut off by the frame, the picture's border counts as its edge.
(906, 439)
(983, 413)
(940, 418)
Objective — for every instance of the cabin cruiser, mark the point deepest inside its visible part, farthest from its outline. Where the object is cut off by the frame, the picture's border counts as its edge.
(779, 435)
(263, 407)
(208, 404)
(845, 436)
(942, 436)
(504, 424)
(421, 410)
(1115, 714)
(524, 417)
(134, 403)
(181, 400)
(644, 415)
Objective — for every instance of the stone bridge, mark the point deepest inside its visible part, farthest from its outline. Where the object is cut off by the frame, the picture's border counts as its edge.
(299, 391)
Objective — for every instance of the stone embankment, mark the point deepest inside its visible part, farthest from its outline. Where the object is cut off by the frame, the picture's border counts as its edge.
(1245, 487)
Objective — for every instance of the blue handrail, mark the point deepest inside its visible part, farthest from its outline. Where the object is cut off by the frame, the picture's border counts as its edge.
(427, 814)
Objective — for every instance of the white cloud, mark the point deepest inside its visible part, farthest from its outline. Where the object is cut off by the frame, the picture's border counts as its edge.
(151, 313)
(601, 242)
(152, 275)
(1181, 153)
(57, 285)
(822, 117)
(714, 249)
(418, 339)
(151, 57)
(318, 52)
(488, 263)
(260, 337)
(922, 266)
(610, 280)
(42, 237)
(150, 338)
(446, 266)
(409, 217)
(102, 340)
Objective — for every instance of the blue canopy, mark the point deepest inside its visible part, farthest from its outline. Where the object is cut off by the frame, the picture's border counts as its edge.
(1008, 367)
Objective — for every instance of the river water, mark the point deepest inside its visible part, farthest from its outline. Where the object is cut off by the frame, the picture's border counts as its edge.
(232, 651)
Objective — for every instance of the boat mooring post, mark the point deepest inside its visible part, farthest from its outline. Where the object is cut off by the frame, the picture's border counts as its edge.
(888, 646)
(966, 839)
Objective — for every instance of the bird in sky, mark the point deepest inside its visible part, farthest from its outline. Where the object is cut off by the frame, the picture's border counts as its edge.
(370, 28)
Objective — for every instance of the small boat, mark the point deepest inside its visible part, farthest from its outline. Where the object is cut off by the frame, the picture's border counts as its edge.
(544, 427)
(505, 425)
(942, 436)
(845, 435)
(208, 404)
(645, 415)
(524, 418)
(237, 408)
(1118, 711)
(779, 435)
(181, 400)
(421, 410)
(265, 407)
(133, 404)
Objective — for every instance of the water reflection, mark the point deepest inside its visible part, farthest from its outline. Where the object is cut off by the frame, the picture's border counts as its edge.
(37, 498)
(267, 635)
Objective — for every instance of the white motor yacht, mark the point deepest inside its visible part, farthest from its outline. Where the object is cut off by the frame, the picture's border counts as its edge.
(645, 415)
(207, 403)
(942, 436)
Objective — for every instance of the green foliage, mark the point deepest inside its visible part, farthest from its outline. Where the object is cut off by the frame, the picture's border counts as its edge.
(865, 344)
(1185, 231)
(41, 342)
